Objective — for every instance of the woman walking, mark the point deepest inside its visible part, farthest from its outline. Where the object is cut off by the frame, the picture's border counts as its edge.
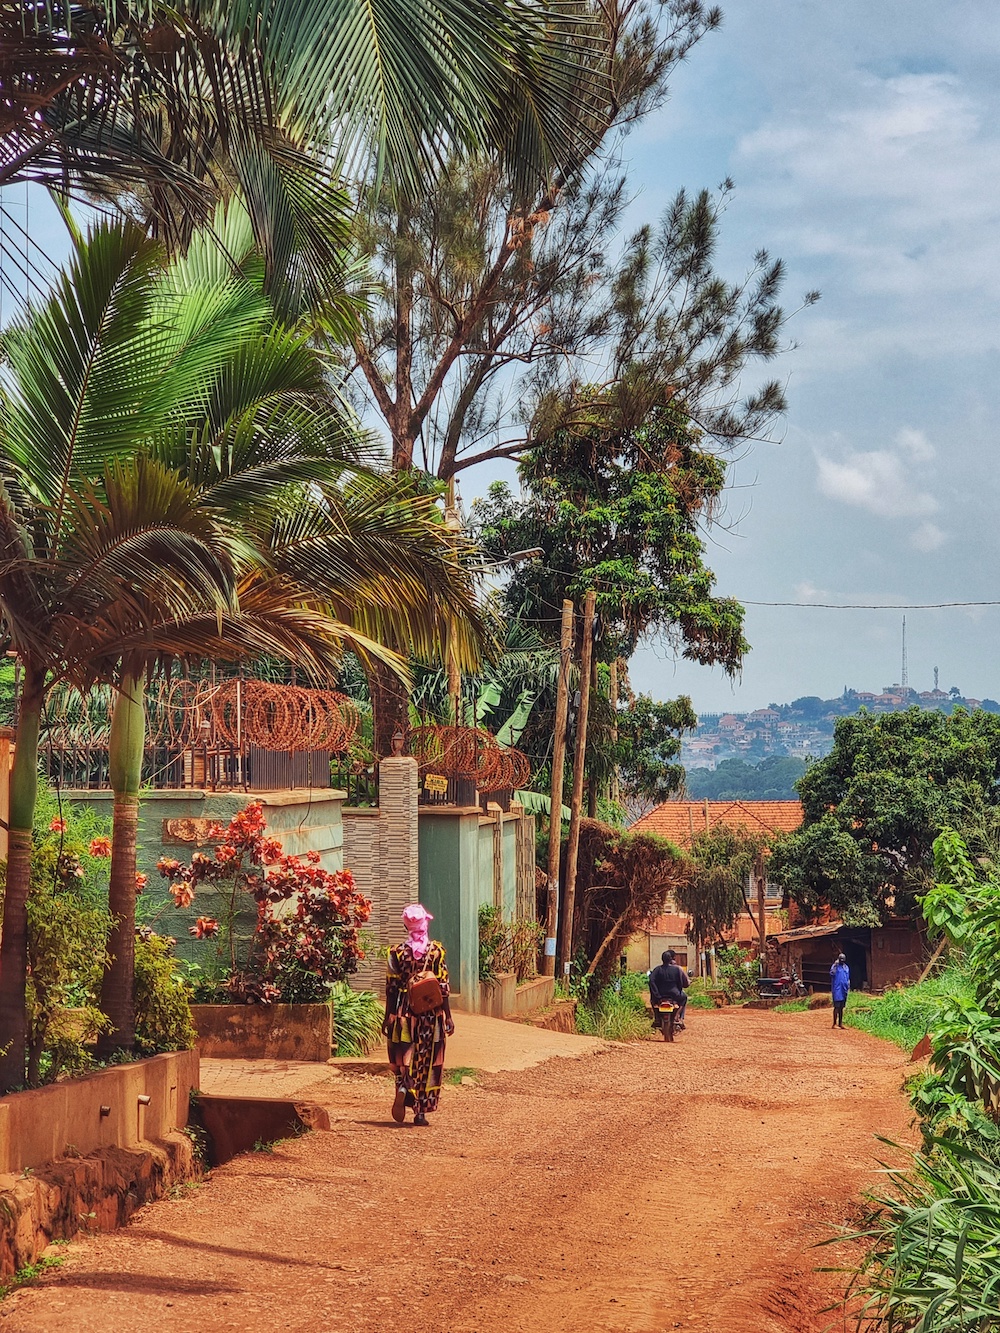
(416, 1033)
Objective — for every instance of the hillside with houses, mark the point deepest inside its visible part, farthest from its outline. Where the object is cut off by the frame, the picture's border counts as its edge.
(804, 728)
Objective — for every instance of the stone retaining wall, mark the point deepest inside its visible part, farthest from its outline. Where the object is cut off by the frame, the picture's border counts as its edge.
(95, 1193)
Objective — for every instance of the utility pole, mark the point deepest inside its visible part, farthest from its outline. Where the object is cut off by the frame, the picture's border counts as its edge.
(592, 792)
(555, 809)
(615, 793)
(576, 803)
(758, 866)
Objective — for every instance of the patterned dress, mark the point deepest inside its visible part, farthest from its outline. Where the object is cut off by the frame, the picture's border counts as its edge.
(422, 1035)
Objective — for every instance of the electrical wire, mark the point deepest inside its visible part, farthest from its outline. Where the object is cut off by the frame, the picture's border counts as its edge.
(869, 606)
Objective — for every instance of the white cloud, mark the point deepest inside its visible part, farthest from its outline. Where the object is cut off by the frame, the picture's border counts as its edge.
(916, 444)
(808, 592)
(928, 537)
(888, 188)
(878, 481)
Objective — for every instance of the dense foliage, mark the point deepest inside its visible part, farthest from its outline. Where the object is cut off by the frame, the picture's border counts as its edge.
(618, 509)
(714, 891)
(618, 1011)
(875, 804)
(507, 946)
(306, 920)
(933, 1243)
(68, 923)
(357, 1019)
(623, 882)
(773, 779)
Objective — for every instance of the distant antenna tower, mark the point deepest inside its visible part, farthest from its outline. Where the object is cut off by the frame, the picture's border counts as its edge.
(935, 679)
(903, 680)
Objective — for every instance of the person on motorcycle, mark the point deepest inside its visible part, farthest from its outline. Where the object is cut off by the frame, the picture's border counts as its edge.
(840, 985)
(669, 982)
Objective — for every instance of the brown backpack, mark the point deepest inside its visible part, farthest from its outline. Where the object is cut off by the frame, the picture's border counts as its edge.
(423, 993)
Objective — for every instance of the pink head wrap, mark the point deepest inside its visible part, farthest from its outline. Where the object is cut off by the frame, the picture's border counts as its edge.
(415, 919)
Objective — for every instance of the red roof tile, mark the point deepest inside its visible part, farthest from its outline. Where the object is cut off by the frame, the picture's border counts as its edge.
(679, 821)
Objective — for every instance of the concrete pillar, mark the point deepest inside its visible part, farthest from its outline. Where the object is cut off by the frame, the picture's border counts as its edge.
(398, 787)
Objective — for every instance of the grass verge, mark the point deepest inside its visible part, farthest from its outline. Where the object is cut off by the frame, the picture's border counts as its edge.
(698, 996)
(456, 1075)
(617, 1013)
(903, 1015)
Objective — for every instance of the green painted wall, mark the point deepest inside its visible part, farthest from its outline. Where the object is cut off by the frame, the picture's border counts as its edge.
(449, 887)
(509, 869)
(302, 824)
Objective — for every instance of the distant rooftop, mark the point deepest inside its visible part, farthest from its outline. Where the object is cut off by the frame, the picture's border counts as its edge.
(681, 821)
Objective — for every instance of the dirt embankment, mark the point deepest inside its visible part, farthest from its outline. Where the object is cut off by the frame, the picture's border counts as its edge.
(648, 1188)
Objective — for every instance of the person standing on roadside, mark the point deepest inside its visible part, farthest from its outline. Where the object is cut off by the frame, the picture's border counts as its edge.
(840, 985)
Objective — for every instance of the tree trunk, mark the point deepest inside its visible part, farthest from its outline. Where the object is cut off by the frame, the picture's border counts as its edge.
(390, 708)
(125, 751)
(14, 943)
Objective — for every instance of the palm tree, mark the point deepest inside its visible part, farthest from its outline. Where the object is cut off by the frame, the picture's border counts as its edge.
(153, 507)
(99, 542)
(169, 109)
(356, 563)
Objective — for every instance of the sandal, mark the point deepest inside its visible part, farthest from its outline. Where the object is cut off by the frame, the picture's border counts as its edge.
(399, 1106)
(421, 1120)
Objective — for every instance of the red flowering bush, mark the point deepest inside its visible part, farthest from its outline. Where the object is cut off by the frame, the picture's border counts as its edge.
(306, 934)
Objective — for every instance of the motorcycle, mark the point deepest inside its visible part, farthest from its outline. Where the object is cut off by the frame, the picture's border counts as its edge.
(668, 1012)
(786, 987)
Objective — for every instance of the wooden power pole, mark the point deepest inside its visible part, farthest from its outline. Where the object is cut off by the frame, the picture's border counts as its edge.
(761, 910)
(576, 802)
(555, 812)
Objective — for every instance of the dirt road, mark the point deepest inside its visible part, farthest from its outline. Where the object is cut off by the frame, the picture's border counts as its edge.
(644, 1189)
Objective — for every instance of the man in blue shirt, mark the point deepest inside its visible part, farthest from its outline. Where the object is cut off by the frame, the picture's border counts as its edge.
(840, 984)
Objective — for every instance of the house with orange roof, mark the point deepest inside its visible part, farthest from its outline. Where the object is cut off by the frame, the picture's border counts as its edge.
(680, 822)
(878, 956)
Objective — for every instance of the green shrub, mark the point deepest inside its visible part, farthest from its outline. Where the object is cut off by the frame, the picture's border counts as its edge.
(698, 996)
(905, 1014)
(68, 924)
(617, 1012)
(357, 1019)
(507, 946)
(932, 1260)
(737, 972)
(162, 1013)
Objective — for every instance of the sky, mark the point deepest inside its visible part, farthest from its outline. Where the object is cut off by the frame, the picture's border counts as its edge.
(864, 141)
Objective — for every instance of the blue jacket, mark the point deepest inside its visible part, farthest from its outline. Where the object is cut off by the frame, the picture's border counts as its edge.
(840, 981)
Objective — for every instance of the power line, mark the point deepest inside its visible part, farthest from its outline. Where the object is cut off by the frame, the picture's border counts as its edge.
(868, 606)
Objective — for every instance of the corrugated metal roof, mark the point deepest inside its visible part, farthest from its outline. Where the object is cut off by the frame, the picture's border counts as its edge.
(807, 932)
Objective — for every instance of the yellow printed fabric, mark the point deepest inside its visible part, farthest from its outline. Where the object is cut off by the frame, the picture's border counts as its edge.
(416, 1041)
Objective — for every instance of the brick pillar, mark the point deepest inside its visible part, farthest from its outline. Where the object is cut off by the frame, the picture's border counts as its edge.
(398, 788)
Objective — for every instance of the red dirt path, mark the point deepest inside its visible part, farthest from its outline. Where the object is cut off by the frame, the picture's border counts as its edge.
(647, 1188)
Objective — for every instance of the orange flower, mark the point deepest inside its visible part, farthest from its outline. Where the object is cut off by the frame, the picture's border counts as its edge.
(58, 825)
(100, 846)
(140, 881)
(183, 894)
(204, 928)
